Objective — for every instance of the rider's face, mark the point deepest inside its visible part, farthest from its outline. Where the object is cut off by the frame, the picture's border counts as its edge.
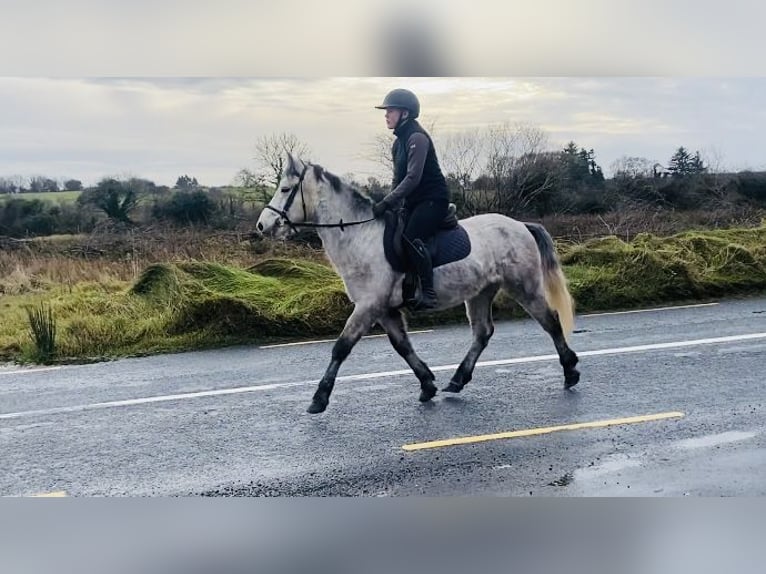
(392, 117)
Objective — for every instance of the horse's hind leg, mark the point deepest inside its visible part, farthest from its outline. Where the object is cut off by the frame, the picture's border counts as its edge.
(479, 311)
(393, 324)
(535, 304)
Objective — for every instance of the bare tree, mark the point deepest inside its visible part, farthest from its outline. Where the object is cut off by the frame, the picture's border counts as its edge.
(248, 178)
(632, 167)
(638, 182)
(512, 159)
(379, 151)
(9, 185)
(460, 155)
(518, 168)
(41, 183)
(500, 142)
(430, 126)
(255, 187)
(534, 178)
(714, 180)
(531, 139)
(270, 154)
(714, 160)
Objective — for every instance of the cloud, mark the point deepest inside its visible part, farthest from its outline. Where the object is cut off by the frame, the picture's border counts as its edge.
(207, 127)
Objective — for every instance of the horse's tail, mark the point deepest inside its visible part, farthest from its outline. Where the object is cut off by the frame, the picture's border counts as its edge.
(556, 291)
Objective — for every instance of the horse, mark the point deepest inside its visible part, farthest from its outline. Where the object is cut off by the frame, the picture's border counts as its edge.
(505, 254)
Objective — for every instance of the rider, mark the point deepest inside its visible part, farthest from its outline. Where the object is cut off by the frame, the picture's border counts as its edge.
(419, 182)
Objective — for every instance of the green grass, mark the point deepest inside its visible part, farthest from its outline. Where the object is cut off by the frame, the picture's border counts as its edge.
(608, 273)
(192, 305)
(42, 326)
(54, 196)
(181, 307)
(255, 197)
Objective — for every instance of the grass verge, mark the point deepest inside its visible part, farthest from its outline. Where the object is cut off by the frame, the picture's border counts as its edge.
(195, 304)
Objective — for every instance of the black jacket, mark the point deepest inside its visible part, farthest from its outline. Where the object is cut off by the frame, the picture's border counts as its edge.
(417, 175)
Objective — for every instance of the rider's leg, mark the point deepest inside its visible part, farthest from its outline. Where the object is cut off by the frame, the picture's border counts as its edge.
(422, 224)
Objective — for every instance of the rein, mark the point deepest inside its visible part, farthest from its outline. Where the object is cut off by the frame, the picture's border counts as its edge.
(295, 225)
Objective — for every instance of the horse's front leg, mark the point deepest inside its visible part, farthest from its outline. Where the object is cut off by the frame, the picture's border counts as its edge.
(360, 321)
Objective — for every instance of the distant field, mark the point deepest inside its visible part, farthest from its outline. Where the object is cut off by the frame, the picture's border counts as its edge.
(54, 196)
(248, 195)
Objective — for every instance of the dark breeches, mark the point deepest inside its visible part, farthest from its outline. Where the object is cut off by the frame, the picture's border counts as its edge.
(424, 219)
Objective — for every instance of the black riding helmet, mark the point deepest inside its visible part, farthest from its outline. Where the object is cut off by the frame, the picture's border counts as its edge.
(400, 98)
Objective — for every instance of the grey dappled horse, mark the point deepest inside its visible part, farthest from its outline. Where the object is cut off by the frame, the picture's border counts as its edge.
(505, 253)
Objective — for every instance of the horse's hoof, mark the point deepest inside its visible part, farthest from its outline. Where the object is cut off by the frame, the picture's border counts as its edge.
(453, 387)
(571, 379)
(426, 394)
(316, 407)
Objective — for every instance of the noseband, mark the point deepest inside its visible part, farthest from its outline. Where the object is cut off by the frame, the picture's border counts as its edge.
(291, 198)
(293, 192)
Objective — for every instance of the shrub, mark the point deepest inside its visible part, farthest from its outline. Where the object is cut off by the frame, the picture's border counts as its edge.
(186, 207)
(42, 325)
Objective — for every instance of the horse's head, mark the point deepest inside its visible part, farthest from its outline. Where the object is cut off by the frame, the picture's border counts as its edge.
(289, 204)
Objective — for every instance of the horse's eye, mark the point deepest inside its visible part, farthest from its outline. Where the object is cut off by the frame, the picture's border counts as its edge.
(286, 189)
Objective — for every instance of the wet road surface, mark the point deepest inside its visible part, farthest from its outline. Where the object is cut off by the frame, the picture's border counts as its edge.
(232, 422)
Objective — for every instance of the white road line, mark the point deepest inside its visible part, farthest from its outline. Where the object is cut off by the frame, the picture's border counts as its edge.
(25, 371)
(672, 308)
(333, 340)
(649, 310)
(297, 343)
(380, 375)
(149, 400)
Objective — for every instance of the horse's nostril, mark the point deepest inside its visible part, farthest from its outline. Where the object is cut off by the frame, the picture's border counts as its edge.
(260, 226)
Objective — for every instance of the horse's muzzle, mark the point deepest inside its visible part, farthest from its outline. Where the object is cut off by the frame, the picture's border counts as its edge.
(274, 229)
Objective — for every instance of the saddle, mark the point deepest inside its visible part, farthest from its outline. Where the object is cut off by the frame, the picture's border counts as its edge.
(450, 243)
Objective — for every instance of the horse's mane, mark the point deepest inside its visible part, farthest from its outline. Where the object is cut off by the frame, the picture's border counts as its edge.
(338, 184)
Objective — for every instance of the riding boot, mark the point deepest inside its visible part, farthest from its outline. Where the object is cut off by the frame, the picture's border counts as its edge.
(421, 258)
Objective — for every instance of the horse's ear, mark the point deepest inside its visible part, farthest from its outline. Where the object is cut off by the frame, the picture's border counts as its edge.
(294, 164)
(290, 162)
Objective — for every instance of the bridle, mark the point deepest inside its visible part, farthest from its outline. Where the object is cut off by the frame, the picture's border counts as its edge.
(291, 198)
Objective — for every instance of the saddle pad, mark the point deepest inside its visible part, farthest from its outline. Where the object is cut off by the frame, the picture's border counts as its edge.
(447, 246)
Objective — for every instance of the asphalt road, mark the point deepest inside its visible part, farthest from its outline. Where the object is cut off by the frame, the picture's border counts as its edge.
(232, 422)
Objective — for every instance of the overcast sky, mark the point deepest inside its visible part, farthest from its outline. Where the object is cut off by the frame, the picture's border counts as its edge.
(161, 88)
(161, 128)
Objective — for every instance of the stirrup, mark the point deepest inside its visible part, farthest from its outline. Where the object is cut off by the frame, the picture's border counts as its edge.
(422, 302)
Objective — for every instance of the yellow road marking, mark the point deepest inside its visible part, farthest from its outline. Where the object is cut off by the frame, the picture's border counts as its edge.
(538, 431)
(57, 494)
